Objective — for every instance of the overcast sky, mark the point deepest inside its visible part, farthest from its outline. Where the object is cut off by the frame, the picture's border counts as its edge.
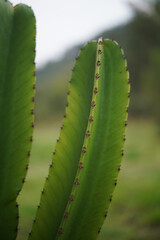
(65, 23)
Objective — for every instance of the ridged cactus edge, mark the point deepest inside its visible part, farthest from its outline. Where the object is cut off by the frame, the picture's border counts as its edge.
(17, 90)
(88, 154)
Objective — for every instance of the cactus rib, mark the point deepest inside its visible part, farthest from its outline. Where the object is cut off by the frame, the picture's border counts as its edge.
(86, 139)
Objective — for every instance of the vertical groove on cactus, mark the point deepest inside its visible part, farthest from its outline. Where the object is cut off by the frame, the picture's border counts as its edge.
(17, 43)
(86, 139)
(87, 158)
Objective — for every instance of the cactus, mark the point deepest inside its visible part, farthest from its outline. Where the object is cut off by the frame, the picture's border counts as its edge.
(83, 174)
(17, 53)
(86, 162)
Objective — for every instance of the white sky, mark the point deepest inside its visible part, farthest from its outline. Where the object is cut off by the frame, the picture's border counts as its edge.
(65, 23)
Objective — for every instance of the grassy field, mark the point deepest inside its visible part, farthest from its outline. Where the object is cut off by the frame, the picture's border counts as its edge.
(135, 210)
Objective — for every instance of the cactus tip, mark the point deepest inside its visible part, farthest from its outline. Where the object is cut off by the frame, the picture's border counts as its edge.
(100, 41)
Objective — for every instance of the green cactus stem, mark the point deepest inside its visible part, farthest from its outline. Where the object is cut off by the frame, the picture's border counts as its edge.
(87, 158)
(17, 79)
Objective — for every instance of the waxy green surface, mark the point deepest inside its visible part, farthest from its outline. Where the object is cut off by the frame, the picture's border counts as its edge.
(17, 53)
(87, 158)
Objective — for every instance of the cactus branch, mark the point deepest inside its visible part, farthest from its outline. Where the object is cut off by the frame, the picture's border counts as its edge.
(87, 159)
(16, 91)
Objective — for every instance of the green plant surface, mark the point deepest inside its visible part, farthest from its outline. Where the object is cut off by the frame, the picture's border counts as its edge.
(17, 79)
(86, 162)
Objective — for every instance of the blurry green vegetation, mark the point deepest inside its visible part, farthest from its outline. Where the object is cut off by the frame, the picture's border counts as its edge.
(135, 211)
(140, 39)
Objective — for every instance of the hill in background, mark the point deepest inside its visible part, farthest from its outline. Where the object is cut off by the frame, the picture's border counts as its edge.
(140, 39)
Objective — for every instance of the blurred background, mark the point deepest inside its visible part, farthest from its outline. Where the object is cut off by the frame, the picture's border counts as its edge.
(62, 29)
